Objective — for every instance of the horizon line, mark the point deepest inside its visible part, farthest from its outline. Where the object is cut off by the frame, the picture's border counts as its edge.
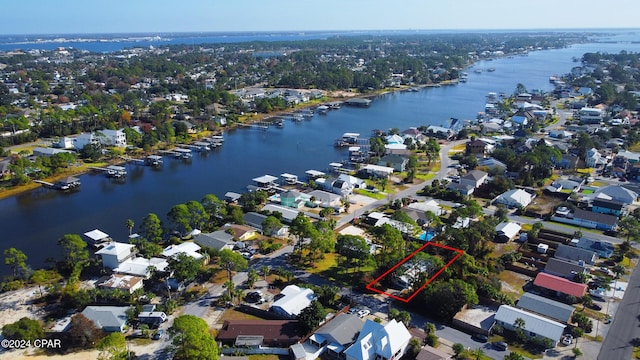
(444, 30)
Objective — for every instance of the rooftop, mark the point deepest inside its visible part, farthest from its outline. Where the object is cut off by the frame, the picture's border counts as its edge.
(559, 284)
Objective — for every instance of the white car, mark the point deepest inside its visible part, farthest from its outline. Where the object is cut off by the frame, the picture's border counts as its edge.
(364, 312)
(567, 339)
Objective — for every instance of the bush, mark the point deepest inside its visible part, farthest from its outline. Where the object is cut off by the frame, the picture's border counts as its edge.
(458, 348)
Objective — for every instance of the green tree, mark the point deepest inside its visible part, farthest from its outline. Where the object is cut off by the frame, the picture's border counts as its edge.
(151, 228)
(180, 218)
(192, 340)
(514, 356)
(393, 245)
(215, 207)
(252, 277)
(76, 255)
(16, 260)
(185, 267)
(457, 348)
(129, 224)
(44, 277)
(311, 316)
(231, 261)
(619, 269)
(270, 225)
(576, 352)
(264, 270)
(629, 228)
(445, 299)
(353, 249)
(113, 347)
(23, 329)
(519, 325)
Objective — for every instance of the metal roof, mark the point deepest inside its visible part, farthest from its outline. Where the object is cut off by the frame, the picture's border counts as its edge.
(532, 322)
(550, 308)
(341, 330)
(573, 253)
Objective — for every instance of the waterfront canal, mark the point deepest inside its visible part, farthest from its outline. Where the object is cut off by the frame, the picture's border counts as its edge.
(34, 221)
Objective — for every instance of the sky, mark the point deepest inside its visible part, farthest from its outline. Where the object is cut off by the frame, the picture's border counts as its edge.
(155, 16)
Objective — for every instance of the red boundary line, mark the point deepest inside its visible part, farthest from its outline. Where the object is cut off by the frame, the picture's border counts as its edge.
(406, 300)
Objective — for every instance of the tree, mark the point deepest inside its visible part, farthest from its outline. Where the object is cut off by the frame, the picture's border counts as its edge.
(192, 340)
(445, 299)
(185, 267)
(629, 229)
(311, 316)
(619, 269)
(232, 261)
(76, 255)
(519, 325)
(129, 223)
(16, 260)
(514, 356)
(44, 277)
(113, 347)
(353, 249)
(252, 277)
(457, 348)
(83, 332)
(215, 207)
(271, 225)
(151, 228)
(180, 217)
(265, 269)
(23, 329)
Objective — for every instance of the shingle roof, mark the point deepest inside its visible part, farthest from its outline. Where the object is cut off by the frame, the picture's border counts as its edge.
(106, 317)
(272, 330)
(343, 330)
(563, 268)
(532, 322)
(475, 175)
(573, 253)
(547, 307)
(559, 284)
(595, 217)
(608, 204)
(215, 240)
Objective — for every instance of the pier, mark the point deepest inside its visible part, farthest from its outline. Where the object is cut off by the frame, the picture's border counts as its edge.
(66, 184)
(112, 171)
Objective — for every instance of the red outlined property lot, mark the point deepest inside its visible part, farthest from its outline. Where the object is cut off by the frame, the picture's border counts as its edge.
(457, 253)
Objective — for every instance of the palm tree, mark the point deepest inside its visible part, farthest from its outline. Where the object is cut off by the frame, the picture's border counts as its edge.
(265, 269)
(619, 269)
(231, 288)
(252, 277)
(129, 223)
(478, 353)
(519, 325)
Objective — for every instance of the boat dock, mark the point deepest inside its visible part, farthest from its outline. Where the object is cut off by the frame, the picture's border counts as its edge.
(112, 171)
(178, 153)
(66, 184)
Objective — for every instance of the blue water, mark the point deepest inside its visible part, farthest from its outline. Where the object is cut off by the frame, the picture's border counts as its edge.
(33, 222)
(427, 236)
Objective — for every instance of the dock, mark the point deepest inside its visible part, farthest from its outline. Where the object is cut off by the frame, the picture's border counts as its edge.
(112, 171)
(66, 184)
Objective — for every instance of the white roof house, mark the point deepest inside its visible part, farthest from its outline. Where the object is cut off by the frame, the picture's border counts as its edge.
(295, 299)
(508, 230)
(424, 206)
(141, 267)
(515, 198)
(97, 236)
(128, 283)
(377, 341)
(534, 325)
(114, 253)
(188, 247)
(377, 170)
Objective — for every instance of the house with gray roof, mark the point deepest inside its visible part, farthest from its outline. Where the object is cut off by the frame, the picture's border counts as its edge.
(107, 318)
(288, 214)
(576, 255)
(552, 309)
(326, 199)
(616, 193)
(216, 240)
(336, 335)
(565, 269)
(397, 162)
(474, 178)
(602, 248)
(534, 325)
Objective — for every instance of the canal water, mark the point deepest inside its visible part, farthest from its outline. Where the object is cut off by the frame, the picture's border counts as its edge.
(34, 221)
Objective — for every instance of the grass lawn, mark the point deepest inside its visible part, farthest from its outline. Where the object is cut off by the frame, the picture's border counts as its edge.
(527, 227)
(426, 177)
(458, 148)
(466, 354)
(598, 183)
(323, 265)
(585, 171)
(266, 357)
(231, 314)
(636, 350)
(587, 191)
(377, 196)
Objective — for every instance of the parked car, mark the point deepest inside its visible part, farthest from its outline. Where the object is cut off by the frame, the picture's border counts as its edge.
(254, 297)
(595, 306)
(567, 339)
(158, 335)
(502, 346)
(363, 313)
(480, 338)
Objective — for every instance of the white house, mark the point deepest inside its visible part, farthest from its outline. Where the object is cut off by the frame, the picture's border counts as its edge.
(294, 299)
(188, 247)
(507, 231)
(139, 266)
(474, 178)
(104, 137)
(379, 342)
(115, 253)
(534, 325)
(593, 158)
(515, 198)
(425, 206)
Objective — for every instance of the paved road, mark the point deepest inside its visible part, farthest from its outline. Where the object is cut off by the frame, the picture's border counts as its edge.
(445, 162)
(626, 323)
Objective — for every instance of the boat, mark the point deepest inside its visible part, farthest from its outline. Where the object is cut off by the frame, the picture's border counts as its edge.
(322, 109)
(117, 172)
(279, 123)
(478, 71)
(153, 160)
(491, 69)
(297, 117)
